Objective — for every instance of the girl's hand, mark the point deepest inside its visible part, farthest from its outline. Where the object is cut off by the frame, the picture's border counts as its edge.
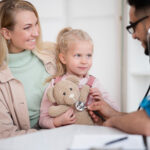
(66, 118)
(96, 94)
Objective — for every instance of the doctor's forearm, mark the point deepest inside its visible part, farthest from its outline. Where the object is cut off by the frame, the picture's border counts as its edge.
(136, 123)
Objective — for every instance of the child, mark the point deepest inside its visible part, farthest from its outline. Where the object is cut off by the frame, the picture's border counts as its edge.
(74, 56)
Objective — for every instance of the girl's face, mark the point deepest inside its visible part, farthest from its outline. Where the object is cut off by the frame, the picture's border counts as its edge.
(78, 59)
(25, 32)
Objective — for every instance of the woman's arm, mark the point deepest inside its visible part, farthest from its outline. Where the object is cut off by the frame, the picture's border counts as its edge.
(7, 126)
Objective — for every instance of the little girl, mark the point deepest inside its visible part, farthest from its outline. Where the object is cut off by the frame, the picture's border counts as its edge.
(74, 57)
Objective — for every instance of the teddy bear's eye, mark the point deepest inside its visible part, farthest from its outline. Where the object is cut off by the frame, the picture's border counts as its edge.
(70, 89)
(64, 93)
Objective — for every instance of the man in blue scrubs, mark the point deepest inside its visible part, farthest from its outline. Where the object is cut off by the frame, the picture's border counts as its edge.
(137, 122)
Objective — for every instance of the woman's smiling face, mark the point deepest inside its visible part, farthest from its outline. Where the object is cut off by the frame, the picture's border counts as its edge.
(25, 32)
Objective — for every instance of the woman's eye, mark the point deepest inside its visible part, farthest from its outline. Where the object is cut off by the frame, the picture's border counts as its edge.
(70, 89)
(26, 28)
(64, 93)
(37, 23)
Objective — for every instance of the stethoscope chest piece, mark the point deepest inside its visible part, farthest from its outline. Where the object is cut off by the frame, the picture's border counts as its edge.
(80, 106)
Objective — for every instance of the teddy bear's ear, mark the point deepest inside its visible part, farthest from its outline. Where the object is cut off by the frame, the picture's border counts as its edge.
(50, 95)
(73, 78)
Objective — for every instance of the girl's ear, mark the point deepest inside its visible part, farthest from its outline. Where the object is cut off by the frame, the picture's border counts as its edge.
(6, 33)
(62, 58)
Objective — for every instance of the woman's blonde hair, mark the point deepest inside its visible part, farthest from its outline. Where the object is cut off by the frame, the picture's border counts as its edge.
(8, 8)
(65, 37)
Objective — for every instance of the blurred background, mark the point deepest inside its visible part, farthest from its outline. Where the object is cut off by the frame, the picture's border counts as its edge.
(119, 61)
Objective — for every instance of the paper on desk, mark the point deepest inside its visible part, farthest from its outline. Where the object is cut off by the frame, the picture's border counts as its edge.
(134, 142)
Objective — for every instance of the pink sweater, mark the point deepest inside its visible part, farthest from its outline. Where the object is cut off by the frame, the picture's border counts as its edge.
(46, 121)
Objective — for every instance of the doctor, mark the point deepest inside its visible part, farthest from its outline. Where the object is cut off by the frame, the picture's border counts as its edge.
(137, 122)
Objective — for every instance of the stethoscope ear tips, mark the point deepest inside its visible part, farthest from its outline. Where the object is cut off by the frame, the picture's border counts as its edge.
(149, 31)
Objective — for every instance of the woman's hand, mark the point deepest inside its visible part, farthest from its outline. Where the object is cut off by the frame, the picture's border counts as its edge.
(66, 118)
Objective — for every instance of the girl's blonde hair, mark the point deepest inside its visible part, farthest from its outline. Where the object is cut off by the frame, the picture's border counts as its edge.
(8, 8)
(64, 38)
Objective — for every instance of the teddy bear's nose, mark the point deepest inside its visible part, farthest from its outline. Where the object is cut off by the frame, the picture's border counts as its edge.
(71, 95)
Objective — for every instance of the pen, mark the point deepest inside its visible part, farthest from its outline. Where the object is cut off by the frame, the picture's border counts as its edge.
(117, 140)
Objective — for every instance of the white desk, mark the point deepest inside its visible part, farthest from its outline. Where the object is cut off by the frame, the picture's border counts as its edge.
(53, 139)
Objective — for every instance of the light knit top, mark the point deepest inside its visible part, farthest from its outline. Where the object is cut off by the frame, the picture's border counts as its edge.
(30, 71)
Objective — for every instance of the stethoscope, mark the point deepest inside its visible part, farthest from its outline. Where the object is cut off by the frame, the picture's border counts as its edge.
(148, 45)
(144, 97)
(144, 137)
(80, 106)
(146, 94)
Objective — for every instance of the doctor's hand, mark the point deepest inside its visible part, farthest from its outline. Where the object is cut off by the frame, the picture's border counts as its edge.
(103, 109)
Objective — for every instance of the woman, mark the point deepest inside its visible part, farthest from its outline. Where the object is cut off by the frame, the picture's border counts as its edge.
(25, 63)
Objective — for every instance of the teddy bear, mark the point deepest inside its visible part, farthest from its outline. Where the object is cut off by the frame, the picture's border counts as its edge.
(65, 94)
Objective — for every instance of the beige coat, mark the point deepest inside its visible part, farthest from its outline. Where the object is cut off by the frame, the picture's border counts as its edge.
(14, 117)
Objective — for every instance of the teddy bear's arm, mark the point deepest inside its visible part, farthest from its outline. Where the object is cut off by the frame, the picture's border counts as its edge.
(84, 93)
(55, 111)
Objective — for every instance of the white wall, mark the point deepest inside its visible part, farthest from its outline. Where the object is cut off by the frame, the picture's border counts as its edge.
(101, 19)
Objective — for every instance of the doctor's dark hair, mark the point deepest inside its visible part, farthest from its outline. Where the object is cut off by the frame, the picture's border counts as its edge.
(140, 5)
(8, 11)
(66, 37)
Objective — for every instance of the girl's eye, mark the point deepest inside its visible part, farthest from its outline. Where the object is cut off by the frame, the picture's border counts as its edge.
(89, 55)
(77, 55)
(64, 93)
(70, 89)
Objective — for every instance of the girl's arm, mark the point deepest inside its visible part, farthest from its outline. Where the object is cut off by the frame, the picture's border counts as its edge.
(46, 121)
(66, 118)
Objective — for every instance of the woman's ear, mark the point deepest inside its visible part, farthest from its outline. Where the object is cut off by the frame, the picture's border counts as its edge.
(6, 33)
(62, 58)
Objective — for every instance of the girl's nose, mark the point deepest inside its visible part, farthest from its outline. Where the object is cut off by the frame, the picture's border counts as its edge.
(84, 60)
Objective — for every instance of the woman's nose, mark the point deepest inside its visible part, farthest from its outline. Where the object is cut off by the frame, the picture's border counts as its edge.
(35, 32)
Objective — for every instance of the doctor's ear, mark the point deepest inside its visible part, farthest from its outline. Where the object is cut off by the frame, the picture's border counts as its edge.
(6, 33)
